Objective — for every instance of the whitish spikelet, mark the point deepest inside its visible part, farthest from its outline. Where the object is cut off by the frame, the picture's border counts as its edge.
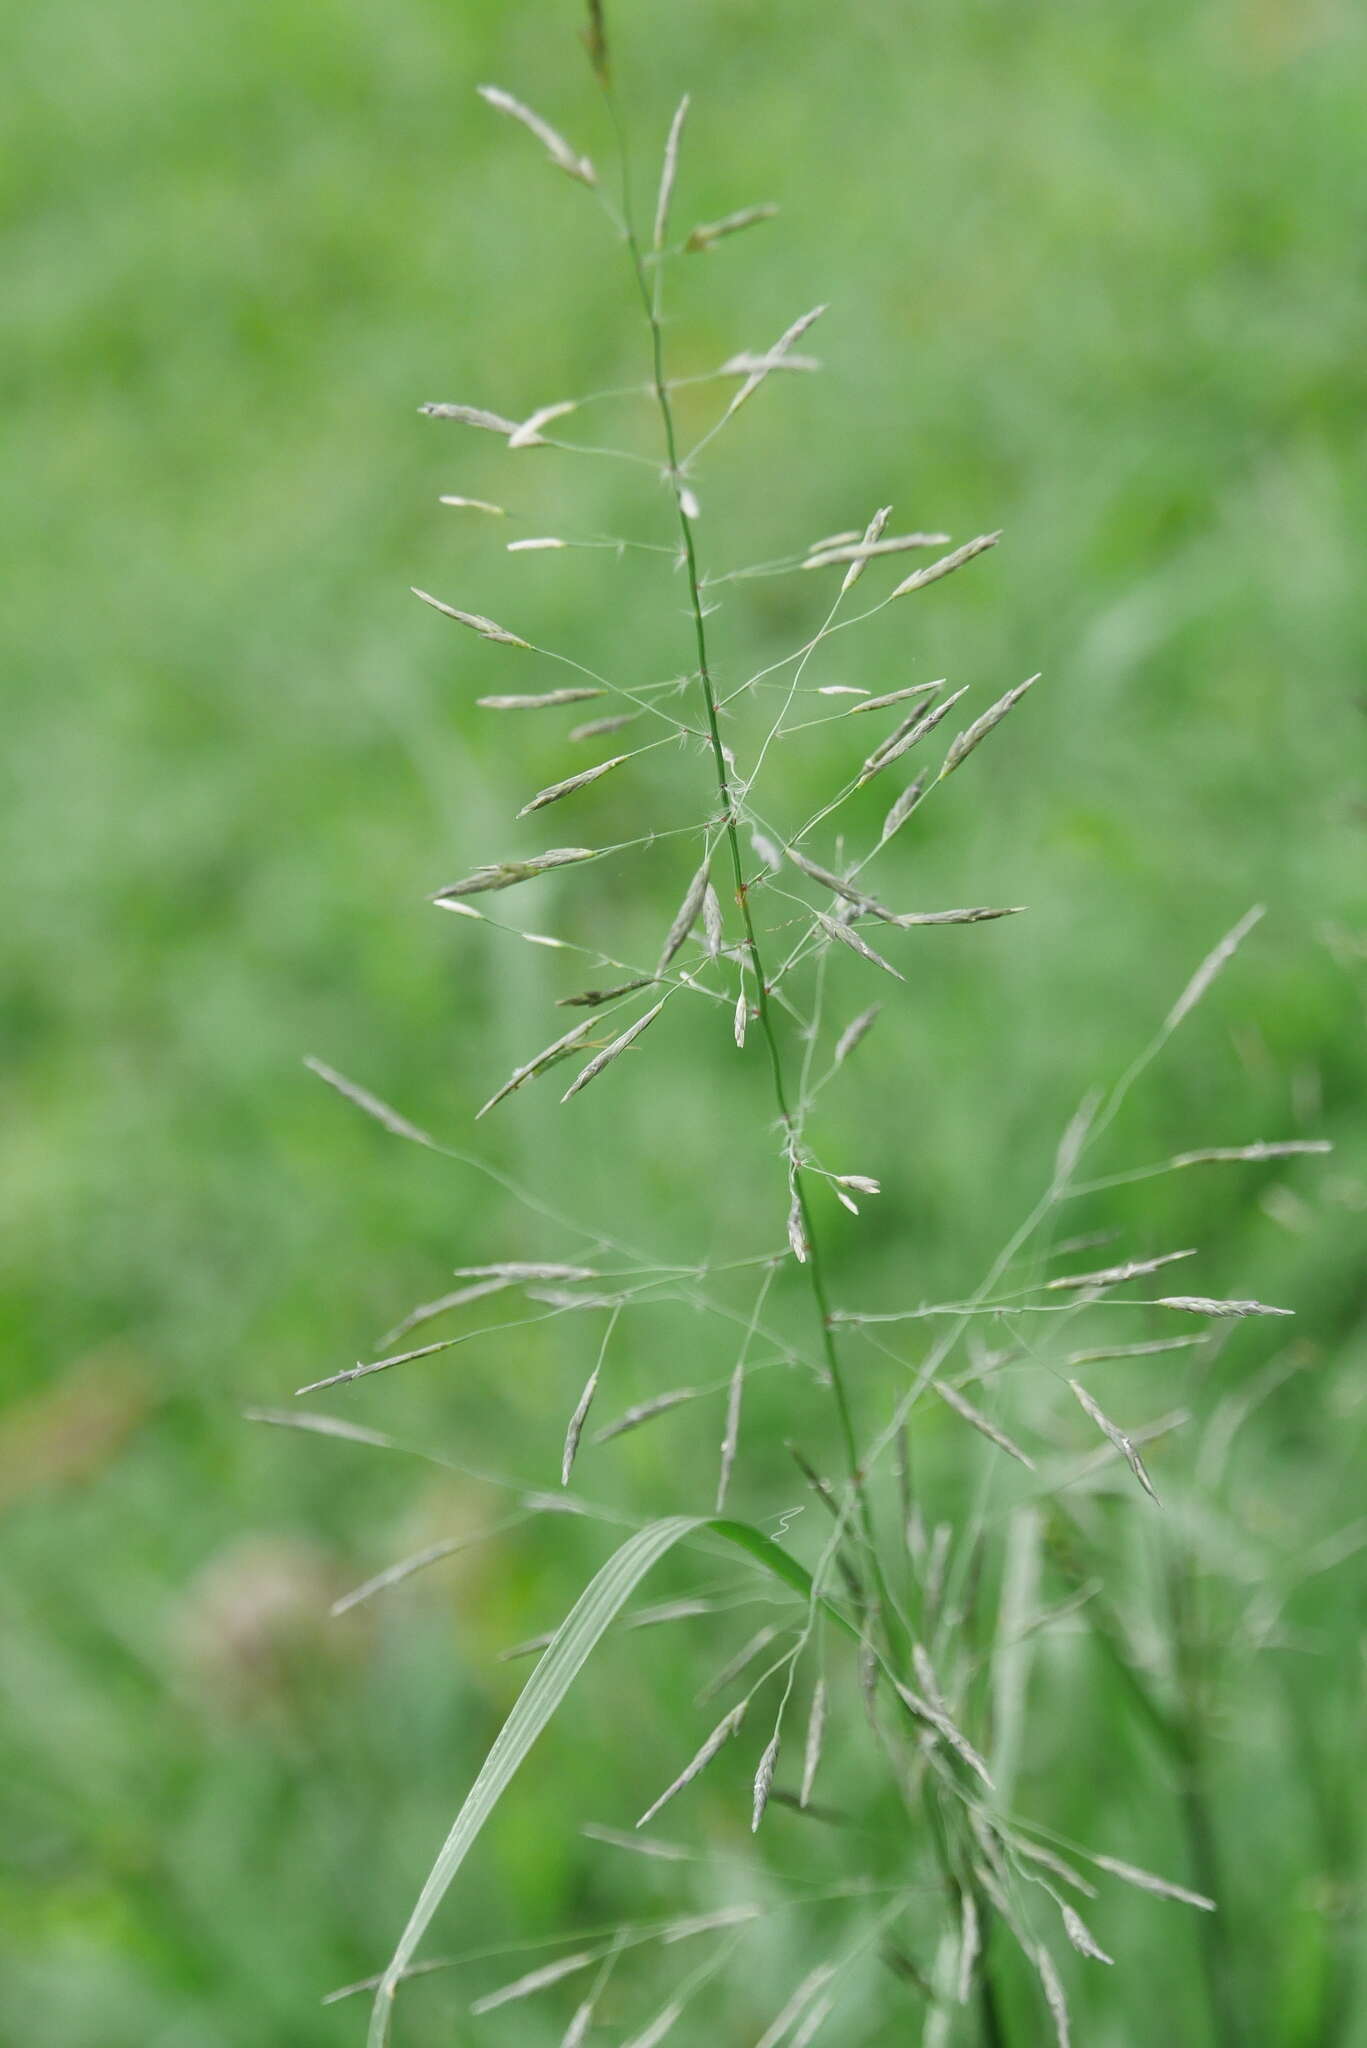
(557, 1050)
(472, 504)
(1081, 1936)
(611, 1052)
(976, 733)
(799, 2002)
(797, 1231)
(709, 232)
(397, 1125)
(503, 874)
(766, 851)
(866, 550)
(555, 790)
(714, 927)
(1111, 1276)
(477, 624)
(902, 810)
(1123, 1443)
(686, 916)
(535, 1980)
(1145, 1881)
(935, 1718)
(1210, 967)
(843, 934)
(527, 434)
(816, 1735)
(1223, 1154)
(740, 1021)
(555, 146)
(731, 1434)
(947, 564)
(970, 1943)
(720, 1735)
(855, 1032)
(814, 2019)
(909, 734)
(597, 727)
(955, 1400)
(1053, 1995)
(576, 1426)
(549, 700)
(773, 360)
(470, 416)
(746, 1655)
(895, 697)
(538, 544)
(662, 2024)
(1201, 1305)
(860, 556)
(668, 172)
(1148, 1350)
(980, 914)
(764, 1781)
(645, 1411)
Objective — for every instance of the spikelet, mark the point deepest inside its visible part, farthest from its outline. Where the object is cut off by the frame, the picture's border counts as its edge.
(555, 145)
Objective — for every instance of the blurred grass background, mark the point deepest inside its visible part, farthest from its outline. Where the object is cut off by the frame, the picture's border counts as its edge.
(1096, 277)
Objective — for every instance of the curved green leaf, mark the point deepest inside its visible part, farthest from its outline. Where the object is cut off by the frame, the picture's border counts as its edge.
(569, 1649)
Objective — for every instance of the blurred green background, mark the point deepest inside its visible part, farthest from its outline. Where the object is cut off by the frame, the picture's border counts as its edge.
(1096, 278)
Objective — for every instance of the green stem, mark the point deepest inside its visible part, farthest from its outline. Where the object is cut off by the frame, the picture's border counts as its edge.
(763, 1005)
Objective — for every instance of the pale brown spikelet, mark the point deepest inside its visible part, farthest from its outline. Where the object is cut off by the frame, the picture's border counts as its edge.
(1210, 967)
(596, 43)
(908, 735)
(831, 881)
(549, 700)
(1146, 1350)
(980, 914)
(855, 1032)
(645, 1411)
(1123, 1443)
(664, 1852)
(549, 1056)
(816, 1736)
(773, 359)
(662, 2024)
(797, 1230)
(515, 1271)
(934, 1717)
(859, 557)
(398, 1125)
(503, 874)
(955, 1400)
(714, 926)
(895, 697)
(576, 1426)
(591, 998)
(555, 146)
(902, 809)
(477, 624)
(427, 1310)
(1202, 1305)
(740, 1020)
(1112, 1276)
(846, 937)
(1222, 1154)
(668, 172)
(535, 1980)
(947, 564)
(865, 549)
(801, 1999)
(685, 917)
(764, 1781)
(473, 505)
(1053, 1995)
(813, 2020)
(555, 790)
(527, 433)
(1081, 1936)
(1145, 1881)
(970, 1944)
(709, 232)
(731, 1433)
(975, 734)
(720, 1735)
(470, 416)
(597, 727)
(611, 1052)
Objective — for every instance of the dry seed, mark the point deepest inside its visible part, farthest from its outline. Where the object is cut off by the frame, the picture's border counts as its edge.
(612, 1052)
(947, 564)
(556, 790)
(555, 145)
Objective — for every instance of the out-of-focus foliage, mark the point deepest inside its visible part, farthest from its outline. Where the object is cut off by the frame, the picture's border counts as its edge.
(1096, 278)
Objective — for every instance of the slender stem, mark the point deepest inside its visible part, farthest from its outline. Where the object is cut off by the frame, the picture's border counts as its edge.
(763, 1005)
